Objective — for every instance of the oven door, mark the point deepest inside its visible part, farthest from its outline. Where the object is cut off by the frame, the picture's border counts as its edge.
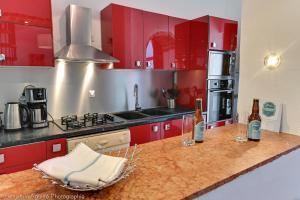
(219, 105)
(221, 64)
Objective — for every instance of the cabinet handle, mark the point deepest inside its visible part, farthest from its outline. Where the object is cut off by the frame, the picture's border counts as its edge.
(167, 127)
(138, 63)
(213, 44)
(56, 148)
(0, 13)
(2, 158)
(103, 142)
(2, 57)
(155, 129)
(173, 65)
(149, 64)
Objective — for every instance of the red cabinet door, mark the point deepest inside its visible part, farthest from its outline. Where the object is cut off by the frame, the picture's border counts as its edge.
(21, 157)
(179, 43)
(223, 34)
(22, 45)
(199, 31)
(140, 134)
(156, 38)
(122, 35)
(192, 84)
(29, 12)
(155, 131)
(145, 133)
(171, 128)
(55, 148)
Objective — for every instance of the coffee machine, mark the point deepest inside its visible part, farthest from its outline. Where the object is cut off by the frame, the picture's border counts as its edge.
(36, 100)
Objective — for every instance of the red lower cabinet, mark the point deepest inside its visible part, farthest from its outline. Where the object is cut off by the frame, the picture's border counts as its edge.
(155, 131)
(144, 133)
(56, 148)
(171, 128)
(21, 157)
(219, 124)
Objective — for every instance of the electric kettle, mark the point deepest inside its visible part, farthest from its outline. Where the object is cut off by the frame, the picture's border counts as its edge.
(16, 116)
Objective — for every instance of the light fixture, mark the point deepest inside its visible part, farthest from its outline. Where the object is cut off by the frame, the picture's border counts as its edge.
(272, 61)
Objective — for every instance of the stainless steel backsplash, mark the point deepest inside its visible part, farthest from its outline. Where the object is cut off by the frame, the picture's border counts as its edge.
(68, 87)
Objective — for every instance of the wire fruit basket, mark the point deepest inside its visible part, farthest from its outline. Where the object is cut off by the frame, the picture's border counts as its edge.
(131, 154)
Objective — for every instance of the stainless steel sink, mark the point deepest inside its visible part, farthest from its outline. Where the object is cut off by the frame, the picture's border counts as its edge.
(154, 112)
(131, 115)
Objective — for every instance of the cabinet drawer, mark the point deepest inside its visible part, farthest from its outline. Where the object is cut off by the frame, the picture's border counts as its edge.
(171, 128)
(22, 155)
(101, 141)
(56, 148)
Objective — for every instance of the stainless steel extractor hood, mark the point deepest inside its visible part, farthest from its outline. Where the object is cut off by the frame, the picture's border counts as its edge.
(78, 48)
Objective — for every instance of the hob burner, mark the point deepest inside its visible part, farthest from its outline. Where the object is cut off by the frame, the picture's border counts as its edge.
(70, 122)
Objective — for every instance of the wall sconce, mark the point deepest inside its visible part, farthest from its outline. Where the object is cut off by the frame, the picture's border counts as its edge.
(272, 61)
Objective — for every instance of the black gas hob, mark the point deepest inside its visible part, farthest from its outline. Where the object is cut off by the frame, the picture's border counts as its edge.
(71, 122)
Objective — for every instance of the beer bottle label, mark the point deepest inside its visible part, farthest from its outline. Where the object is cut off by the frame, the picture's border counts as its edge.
(199, 130)
(254, 130)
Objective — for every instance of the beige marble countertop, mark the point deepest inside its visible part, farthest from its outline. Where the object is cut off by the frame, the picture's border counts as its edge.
(167, 170)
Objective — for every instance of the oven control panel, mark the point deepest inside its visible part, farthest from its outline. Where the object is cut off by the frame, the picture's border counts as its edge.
(220, 84)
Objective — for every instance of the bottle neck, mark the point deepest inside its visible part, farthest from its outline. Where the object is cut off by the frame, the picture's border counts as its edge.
(198, 111)
(255, 108)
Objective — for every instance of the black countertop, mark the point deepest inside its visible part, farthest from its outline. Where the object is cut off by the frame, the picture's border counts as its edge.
(28, 135)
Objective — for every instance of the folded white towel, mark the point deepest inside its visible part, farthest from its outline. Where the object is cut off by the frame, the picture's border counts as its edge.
(83, 166)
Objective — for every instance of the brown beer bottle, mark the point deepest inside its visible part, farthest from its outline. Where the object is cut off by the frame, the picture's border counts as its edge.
(254, 122)
(199, 124)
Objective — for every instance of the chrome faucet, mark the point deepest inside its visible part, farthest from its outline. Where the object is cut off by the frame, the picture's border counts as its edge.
(136, 94)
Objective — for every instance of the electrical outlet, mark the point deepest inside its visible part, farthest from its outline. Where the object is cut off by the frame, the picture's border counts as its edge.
(92, 93)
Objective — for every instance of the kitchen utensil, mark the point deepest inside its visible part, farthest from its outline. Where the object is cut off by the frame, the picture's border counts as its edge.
(164, 92)
(36, 100)
(171, 103)
(172, 93)
(16, 116)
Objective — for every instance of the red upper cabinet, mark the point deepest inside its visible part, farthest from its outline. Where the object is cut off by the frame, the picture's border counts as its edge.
(156, 41)
(122, 35)
(192, 84)
(26, 33)
(179, 43)
(22, 45)
(29, 12)
(223, 34)
(199, 33)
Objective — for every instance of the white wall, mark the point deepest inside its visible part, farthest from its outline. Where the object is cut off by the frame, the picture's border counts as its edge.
(68, 95)
(271, 26)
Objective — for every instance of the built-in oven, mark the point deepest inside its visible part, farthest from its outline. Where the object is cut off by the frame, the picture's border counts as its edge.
(220, 100)
(221, 64)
